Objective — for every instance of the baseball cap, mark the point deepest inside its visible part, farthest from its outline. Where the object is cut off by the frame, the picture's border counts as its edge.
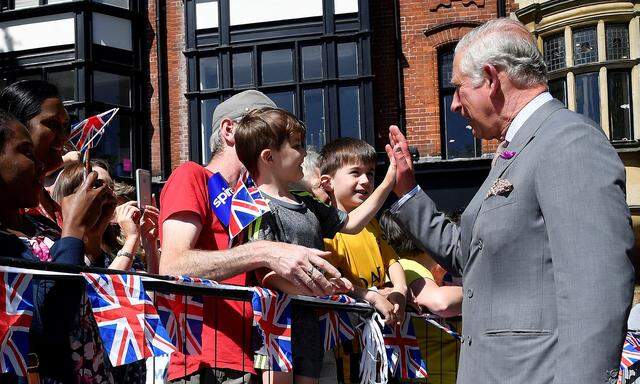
(239, 105)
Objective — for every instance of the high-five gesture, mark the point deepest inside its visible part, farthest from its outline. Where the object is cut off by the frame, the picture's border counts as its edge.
(399, 150)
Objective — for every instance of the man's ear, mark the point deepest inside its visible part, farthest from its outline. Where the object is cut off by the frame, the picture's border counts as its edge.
(491, 75)
(227, 130)
(266, 156)
(326, 182)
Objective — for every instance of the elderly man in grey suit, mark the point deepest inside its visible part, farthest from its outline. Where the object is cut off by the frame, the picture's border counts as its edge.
(543, 247)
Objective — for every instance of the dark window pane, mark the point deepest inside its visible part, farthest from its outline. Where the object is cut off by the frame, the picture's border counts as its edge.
(115, 146)
(585, 46)
(349, 101)
(111, 88)
(209, 73)
(65, 81)
(619, 105)
(312, 62)
(554, 53)
(588, 96)
(446, 69)
(459, 140)
(277, 66)
(242, 69)
(617, 41)
(206, 112)
(314, 117)
(558, 89)
(284, 100)
(31, 76)
(347, 59)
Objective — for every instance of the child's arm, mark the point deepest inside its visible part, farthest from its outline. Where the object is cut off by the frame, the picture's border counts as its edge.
(442, 301)
(398, 295)
(378, 301)
(362, 215)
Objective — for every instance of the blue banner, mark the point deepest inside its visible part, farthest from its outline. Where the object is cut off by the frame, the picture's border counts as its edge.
(220, 197)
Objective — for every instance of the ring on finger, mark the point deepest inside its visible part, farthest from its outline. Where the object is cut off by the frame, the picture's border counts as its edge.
(309, 272)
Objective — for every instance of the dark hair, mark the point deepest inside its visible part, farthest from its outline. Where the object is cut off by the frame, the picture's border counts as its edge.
(72, 176)
(344, 151)
(262, 129)
(24, 98)
(5, 130)
(397, 238)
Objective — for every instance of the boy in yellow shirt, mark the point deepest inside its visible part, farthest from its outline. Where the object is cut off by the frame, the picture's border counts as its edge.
(347, 169)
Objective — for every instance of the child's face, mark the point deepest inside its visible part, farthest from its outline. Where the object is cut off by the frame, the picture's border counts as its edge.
(287, 161)
(352, 184)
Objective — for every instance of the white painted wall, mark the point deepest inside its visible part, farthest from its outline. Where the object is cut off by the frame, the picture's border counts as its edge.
(258, 11)
(37, 32)
(112, 31)
(206, 14)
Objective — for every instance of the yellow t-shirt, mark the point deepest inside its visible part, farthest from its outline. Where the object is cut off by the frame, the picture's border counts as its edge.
(363, 258)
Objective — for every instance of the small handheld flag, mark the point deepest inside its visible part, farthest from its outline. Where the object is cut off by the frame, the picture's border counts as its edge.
(87, 133)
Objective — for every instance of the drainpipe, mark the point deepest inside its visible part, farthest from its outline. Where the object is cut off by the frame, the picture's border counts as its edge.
(163, 87)
(399, 75)
(502, 8)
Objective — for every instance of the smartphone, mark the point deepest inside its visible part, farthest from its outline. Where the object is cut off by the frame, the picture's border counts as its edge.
(143, 188)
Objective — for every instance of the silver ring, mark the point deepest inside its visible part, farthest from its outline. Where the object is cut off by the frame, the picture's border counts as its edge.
(310, 272)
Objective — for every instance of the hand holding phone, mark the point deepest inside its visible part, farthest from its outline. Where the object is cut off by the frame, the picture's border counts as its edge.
(143, 188)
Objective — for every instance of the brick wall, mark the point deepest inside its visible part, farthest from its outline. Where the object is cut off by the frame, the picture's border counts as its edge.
(177, 80)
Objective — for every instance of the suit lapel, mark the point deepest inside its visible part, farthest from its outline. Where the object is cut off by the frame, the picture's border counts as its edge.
(524, 136)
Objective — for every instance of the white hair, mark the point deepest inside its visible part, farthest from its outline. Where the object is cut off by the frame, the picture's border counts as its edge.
(507, 45)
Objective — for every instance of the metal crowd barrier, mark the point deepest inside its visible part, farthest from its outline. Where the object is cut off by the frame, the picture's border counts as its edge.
(442, 350)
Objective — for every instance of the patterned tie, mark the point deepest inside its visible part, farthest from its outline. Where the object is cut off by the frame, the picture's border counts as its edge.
(499, 151)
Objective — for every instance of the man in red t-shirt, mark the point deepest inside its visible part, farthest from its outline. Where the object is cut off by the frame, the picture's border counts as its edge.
(195, 243)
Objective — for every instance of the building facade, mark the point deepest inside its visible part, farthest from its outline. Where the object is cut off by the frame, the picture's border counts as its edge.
(345, 67)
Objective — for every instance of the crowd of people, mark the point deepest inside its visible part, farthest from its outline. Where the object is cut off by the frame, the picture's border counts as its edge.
(529, 259)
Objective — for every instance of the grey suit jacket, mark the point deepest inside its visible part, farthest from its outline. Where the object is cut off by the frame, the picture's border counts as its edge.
(547, 278)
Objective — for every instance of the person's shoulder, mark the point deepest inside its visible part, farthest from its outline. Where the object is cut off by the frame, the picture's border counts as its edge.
(309, 199)
(188, 168)
(565, 125)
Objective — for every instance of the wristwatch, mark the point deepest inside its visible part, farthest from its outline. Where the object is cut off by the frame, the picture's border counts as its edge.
(124, 253)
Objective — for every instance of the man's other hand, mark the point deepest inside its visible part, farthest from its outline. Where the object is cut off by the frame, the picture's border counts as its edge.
(304, 267)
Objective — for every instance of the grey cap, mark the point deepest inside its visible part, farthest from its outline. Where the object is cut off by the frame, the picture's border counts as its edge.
(238, 105)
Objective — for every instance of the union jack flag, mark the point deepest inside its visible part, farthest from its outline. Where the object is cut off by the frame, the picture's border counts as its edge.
(255, 193)
(16, 313)
(128, 323)
(630, 355)
(182, 317)
(272, 312)
(244, 210)
(87, 133)
(335, 327)
(194, 280)
(403, 351)
(342, 299)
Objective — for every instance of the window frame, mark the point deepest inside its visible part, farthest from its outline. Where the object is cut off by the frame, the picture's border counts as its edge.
(326, 31)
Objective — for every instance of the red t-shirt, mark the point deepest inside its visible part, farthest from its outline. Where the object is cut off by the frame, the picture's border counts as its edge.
(226, 323)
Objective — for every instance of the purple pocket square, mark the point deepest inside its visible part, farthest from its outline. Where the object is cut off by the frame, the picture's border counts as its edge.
(501, 187)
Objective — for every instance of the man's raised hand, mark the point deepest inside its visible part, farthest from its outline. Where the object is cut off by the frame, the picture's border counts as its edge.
(399, 150)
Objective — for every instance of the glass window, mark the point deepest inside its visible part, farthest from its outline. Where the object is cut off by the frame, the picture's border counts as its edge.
(242, 69)
(314, 117)
(617, 41)
(312, 62)
(284, 100)
(65, 81)
(620, 120)
(345, 6)
(111, 88)
(206, 113)
(242, 12)
(558, 89)
(446, 69)
(206, 14)
(19, 4)
(585, 45)
(277, 66)
(111, 31)
(115, 146)
(115, 3)
(554, 54)
(349, 111)
(588, 96)
(459, 140)
(209, 73)
(347, 59)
